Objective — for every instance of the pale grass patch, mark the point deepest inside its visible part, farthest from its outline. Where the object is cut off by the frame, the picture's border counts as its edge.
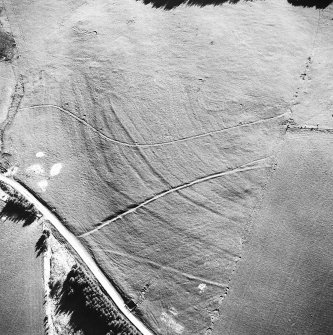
(43, 185)
(40, 154)
(35, 169)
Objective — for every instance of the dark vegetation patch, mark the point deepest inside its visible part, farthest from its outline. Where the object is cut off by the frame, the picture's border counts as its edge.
(170, 4)
(90, 310)
(41, 245)
(7, 189)
(7, 46)
(320, 4)
(18, 209)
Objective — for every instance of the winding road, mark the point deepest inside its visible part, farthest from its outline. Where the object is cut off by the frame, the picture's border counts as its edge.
(81, 251)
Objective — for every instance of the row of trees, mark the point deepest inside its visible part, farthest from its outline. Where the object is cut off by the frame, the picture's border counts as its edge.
(19, 209)
(90, 310)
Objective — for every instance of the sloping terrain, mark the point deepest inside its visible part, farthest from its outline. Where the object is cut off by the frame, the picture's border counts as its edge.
(284, 283)
(21, 291)
(154, 134)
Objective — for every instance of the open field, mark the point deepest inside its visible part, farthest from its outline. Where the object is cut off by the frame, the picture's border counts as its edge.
(21, 291)
(154, 135)
(284, 281)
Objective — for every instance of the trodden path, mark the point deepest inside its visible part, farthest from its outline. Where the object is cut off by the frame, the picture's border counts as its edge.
(243, 168)
(81, 251)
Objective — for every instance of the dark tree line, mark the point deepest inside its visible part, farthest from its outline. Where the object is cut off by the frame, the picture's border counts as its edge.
(90, 310)
(18, 209)
(320, 4)
(170, 4)
(41, 245)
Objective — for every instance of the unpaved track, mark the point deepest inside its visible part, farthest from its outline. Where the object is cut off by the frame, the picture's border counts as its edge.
(166, 268)
(82, 252)
(157, 144)
(242, 168)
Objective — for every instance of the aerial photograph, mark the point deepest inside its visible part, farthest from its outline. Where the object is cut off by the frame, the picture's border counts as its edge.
(166, 167)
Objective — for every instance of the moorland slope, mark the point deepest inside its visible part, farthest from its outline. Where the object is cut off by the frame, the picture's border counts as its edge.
(154, 134)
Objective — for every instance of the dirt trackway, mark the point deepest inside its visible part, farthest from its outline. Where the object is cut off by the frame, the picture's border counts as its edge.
(82, 252)
(243, 168)
(157, 144)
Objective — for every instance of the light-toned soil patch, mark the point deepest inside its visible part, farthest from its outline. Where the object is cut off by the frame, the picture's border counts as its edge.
(55, 169)
(40, 154)
(36, 169)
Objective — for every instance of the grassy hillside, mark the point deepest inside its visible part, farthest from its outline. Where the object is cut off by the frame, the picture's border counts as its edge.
(21, 292)
(164, 126)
